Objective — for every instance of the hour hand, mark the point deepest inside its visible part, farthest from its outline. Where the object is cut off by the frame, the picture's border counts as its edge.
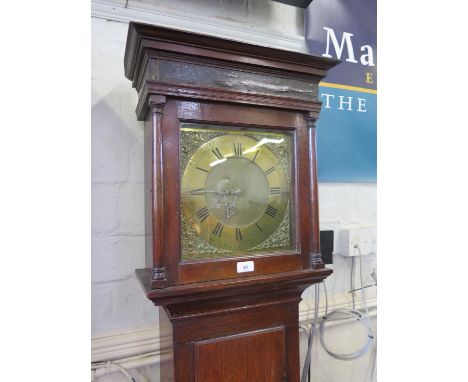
(202, 191)
(199, 191)
(229, 192)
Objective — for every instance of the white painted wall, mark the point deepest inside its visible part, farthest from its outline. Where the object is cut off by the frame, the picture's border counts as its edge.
(124, 322)
(117, 189)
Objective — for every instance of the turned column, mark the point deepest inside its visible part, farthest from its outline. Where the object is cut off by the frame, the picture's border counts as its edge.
(156, 104)
(315, 257)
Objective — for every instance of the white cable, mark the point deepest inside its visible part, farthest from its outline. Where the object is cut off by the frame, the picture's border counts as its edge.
(306, 368)
(109, 365)
(326, 296)
(374, 364)
(374, 356)
(371, 368)
(352, 312)
(363, 295)
(351, 278)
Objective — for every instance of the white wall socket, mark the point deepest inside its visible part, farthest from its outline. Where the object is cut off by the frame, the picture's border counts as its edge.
(350, 239)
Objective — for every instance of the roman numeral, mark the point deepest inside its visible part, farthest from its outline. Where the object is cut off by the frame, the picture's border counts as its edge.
(217, 153)
(202, 214)
(201, 169)
(271, 211)
(237, 149)
(255, 156)
(270, 170)
(238, 234)
(218, 229)
(275, 190)
(259, 228)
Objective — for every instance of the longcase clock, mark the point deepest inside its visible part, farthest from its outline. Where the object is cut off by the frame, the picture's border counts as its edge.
(231, 200)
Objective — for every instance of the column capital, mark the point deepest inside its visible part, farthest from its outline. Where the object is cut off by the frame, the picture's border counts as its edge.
(311, 120)
(156, 103)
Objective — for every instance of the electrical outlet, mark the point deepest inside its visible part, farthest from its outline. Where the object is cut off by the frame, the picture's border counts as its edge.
(350, 239)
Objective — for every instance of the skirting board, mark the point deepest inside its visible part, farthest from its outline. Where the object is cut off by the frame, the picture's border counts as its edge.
(229, 30)
(142, 347)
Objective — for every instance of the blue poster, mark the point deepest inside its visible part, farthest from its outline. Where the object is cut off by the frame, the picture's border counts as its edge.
(347, 127)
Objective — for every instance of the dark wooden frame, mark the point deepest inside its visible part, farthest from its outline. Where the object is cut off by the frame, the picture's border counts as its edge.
(179, 111)
(206, 304)
(165, 105)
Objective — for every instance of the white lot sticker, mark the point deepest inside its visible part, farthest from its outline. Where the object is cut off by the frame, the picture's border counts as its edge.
(245, 266)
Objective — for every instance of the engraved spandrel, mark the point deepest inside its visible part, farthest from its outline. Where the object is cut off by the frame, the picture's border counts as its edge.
(196, 248)
(190, 141)
(281, 238)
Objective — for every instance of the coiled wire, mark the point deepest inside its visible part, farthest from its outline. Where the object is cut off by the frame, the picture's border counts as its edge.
(351, 312)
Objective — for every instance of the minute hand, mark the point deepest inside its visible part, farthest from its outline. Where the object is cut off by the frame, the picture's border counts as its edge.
(200, 192)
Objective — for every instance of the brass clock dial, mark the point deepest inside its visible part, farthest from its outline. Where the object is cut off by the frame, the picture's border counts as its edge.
(234, 191)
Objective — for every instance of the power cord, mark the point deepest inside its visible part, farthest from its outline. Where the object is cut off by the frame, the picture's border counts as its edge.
(306, 369)
(351, 279)
(108, 366)
(353, 312)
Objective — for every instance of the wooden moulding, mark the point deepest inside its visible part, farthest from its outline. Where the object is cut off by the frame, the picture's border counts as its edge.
(179, 64)
(233, 287)
(142, 37)
(182, 77)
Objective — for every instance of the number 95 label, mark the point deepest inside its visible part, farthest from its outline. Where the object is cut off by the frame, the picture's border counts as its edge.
(245, 266)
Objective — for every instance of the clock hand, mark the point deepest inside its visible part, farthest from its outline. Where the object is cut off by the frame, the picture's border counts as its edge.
(230, 208)
(200, 192)
(229, 211)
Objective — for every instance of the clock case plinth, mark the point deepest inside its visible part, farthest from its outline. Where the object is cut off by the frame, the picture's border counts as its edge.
(211, 317)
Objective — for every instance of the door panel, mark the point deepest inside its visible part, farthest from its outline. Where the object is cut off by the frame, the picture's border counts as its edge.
(242, 358)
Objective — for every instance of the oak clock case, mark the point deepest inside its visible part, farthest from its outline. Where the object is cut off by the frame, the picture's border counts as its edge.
(230, 179)
(237, 191)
